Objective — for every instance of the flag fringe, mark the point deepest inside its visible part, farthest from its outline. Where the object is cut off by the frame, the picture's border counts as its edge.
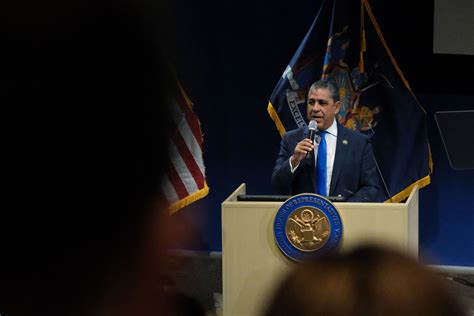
(426, 180)
(382, 39)
(392, 59)
(274, 115)
(430, 159)
(188, 101)
(189, 199)
(402, 195)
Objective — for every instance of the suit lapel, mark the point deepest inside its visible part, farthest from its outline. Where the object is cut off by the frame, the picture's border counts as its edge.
(341, 154)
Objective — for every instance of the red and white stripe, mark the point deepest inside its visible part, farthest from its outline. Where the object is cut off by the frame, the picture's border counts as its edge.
(184, 181)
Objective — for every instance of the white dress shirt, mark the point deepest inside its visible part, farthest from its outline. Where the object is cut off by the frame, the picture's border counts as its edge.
(331, 141)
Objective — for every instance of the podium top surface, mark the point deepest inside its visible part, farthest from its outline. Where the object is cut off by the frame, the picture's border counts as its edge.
(240, 196)
(278, 198)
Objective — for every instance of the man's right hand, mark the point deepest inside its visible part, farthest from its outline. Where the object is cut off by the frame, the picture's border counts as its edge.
(301, 149)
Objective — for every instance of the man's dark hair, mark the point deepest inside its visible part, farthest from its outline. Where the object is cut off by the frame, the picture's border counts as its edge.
(326, 84)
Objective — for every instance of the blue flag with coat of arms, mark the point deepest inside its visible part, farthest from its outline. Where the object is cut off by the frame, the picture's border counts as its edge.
(345, 44)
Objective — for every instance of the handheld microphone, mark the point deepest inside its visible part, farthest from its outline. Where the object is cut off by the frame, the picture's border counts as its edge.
(312, 130)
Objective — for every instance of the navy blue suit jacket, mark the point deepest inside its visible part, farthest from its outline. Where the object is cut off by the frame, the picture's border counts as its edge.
(354, 174)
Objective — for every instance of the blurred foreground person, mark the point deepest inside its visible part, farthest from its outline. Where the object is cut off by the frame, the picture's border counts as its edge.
(368, 281)
(84, 93)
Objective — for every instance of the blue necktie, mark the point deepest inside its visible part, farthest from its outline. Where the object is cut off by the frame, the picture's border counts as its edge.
(321, 166)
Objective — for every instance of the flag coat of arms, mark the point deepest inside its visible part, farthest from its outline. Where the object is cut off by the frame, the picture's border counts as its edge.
(345, 44)
(184, 181)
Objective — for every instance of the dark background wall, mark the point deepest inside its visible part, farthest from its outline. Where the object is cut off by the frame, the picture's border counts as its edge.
(229, 56)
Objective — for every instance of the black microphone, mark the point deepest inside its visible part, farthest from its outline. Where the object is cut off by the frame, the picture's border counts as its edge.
(357, 194)
(378, 168)
(312, 130)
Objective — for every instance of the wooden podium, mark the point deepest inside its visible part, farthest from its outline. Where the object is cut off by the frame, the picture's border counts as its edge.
(252, 263)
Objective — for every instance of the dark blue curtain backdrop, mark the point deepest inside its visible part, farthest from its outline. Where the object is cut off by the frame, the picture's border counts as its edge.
(229, 56)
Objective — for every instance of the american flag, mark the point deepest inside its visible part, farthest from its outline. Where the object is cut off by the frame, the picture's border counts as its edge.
(184, 181)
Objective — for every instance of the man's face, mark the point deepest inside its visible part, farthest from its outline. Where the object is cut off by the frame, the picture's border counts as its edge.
(322, 108)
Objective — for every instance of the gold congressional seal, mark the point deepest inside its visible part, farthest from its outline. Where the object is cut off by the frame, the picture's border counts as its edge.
(307, 225)
(307, 228)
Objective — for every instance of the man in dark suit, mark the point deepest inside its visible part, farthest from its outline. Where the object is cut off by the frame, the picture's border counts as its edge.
(346, 163)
